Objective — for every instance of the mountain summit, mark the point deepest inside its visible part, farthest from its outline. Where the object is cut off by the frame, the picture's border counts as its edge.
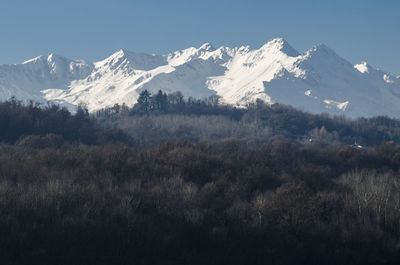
(318, 80)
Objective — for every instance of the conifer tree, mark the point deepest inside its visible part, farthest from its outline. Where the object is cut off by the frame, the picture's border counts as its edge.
(144, 101)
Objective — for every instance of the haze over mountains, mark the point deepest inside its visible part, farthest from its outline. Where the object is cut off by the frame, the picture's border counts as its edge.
(317, 81)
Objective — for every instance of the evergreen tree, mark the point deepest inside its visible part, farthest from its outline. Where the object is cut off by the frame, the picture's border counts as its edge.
(144, 101)
(159, 101)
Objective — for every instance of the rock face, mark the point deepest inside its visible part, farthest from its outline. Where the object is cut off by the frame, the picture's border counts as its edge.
(316, 81)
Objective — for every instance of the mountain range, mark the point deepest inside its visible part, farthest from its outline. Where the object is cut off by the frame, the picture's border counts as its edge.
(317, 81)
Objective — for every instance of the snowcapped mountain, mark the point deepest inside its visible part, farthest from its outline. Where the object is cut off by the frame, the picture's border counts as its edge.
(317, 81)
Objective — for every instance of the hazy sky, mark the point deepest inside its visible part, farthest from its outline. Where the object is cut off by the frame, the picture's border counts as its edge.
(92, 30)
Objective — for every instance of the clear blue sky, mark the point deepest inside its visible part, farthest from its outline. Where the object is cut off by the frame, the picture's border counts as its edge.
(92, 30)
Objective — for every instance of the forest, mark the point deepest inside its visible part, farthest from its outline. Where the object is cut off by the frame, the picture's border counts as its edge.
(175, 180)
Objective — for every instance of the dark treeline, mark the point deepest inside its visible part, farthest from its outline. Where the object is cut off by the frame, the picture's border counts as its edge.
(160, 117)
(18, 120)
(234, 189)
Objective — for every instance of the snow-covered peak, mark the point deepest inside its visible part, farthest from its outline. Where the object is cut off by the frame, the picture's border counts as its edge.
(280, 45)
(321, 60)
(35, 60)
(51, 58)
(362, 67)
(321, 50)
(59, 67)
(58, 64)
(243, 49)
(135, 61)
(204, 52)
(207, 47)
(122, 53)
(55, 57)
